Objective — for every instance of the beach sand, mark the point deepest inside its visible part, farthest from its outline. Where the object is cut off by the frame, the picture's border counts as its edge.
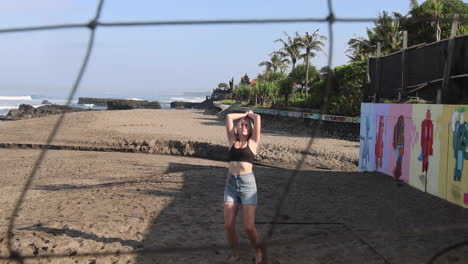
(180, 132)
(99, 207)
(111, 207)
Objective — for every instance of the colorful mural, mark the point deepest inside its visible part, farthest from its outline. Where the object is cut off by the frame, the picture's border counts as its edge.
(424, 146)
(379, 144)
(427, 140)
(365, 141)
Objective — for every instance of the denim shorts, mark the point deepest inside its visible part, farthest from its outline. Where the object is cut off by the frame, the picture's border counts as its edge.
(241, 189)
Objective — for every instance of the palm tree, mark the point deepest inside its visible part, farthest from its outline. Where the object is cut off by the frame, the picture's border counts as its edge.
(277, 61)
(360, 48)
(387, 31)
(413, 4)
(437, 6)
(462, 30)
(290, 48)
(310, 43)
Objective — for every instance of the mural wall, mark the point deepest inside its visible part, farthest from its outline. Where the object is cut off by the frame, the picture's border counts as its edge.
(424, 146)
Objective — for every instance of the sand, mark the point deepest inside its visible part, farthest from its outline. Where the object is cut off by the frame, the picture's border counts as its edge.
(99, 207)
(112, 207)
(180, 132)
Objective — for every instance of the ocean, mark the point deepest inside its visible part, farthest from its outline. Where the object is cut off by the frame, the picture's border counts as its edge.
(8, 103)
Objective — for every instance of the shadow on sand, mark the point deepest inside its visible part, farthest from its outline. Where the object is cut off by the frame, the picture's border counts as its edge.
(327, 217)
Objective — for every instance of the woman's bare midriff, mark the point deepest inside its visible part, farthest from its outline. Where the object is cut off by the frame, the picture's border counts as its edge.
(239, 167)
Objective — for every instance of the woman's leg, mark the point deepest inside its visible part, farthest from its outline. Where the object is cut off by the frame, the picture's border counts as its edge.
(230, 213)
(248, 213)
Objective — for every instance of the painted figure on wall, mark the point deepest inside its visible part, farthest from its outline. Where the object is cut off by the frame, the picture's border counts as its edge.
(399, 144)
(365, 148)
(427, 140)
(379, 142)
(460, 137)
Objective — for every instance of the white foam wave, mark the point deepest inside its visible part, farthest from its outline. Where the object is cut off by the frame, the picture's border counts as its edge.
(6, 107)
(188, 99)
(15, 98)
(135, 99)
(9, 107)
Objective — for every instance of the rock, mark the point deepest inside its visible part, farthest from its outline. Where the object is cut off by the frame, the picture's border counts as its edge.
(207, 104)
(120, 104)
(5, 118)
(96, 101)
(183, 105)
(46, 102)
(219, 94)
(26, 111)
(132, 104)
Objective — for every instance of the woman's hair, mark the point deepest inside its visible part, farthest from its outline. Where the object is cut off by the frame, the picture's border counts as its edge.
(250, 122)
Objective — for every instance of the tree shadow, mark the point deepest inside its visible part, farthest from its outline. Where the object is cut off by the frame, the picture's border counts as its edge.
(64, 187)
(212, 123)
(328, 216)
(79, 234)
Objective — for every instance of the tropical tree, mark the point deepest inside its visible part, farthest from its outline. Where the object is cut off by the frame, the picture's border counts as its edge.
(271, 76)
(387, 30)
(311, 44)
(413, 4)
(286, 86)
(291, 48)
(348, 85)
(463, 30)
(245, 79)
(436, 6)
(300, 74)
(223, 86)
(242, 93)
(361, 48)
(426, 18)
(277, 61)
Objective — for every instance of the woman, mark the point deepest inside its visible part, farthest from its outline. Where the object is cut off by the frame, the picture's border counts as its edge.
(241, 189)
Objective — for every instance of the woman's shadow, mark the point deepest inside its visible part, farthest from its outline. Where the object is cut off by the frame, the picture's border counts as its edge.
(191, 228)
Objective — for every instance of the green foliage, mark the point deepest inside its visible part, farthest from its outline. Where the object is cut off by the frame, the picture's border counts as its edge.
(277, 62)
(416, 101)
(387, 30)
(421, 30)
(389, 101)
(286, 89)
(245, 79)
(242, 93)
(271, 76)
(461, 109)
(348, 87)
(291, 48)
(299, 100)
(267, 92)
(262, 92)
(223, 86)
(423, 23)
(298, 75)
(227, 102)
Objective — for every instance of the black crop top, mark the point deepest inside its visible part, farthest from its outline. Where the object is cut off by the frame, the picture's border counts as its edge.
(242, 154)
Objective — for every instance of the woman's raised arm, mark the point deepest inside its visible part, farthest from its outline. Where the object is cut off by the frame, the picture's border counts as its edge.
(230, 125)
(256, 127)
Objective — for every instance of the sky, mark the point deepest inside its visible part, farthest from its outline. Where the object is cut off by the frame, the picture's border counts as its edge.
(165, 60)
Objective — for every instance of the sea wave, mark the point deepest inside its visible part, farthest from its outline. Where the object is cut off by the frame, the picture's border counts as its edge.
(188, 99)
(15, 98)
